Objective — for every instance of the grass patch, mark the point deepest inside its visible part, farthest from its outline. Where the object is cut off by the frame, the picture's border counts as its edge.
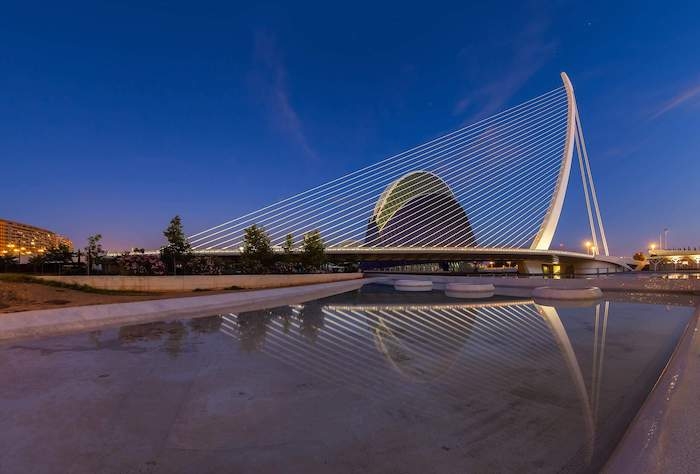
(19, 278)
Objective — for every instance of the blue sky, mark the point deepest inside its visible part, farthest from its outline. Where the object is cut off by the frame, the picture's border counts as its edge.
(117, 115)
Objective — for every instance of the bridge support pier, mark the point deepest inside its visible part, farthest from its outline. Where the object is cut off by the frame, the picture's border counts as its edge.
(595, 267)
(532, 267)
(564, 268)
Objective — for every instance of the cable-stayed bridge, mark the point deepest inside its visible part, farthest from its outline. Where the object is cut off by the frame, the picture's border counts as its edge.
(491, 190)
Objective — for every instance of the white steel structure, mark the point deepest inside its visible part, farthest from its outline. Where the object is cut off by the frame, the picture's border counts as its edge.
(503, 180)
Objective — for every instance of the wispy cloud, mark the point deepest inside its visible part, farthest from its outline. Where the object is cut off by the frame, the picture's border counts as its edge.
(621, 152)
(689, 94)
(527, 53)
(270, 78)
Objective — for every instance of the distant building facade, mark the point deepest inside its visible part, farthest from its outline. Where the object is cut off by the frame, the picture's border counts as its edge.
(18, 238)
(687, 258)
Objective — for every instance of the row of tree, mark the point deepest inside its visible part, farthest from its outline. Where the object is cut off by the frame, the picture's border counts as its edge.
(177, 256)
(258, 256)
(257, 253)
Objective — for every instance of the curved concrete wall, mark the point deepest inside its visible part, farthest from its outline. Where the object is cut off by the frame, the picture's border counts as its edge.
(663, 437)
(57, 321)
(203, 282)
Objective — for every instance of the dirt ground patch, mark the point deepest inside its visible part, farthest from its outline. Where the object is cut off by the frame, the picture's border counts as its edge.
(24, 296)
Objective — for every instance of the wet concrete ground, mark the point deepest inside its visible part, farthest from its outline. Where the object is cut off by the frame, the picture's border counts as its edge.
(369, 381)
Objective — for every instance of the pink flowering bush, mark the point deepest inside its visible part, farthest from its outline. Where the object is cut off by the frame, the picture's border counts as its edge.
(205, 266)
(140, 264)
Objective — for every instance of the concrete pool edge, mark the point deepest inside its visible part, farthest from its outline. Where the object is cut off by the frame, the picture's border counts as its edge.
(641, 283)
(663, 436)
(522, 288)
(62, 321)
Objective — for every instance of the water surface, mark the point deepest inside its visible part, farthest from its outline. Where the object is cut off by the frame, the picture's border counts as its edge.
(366, 381)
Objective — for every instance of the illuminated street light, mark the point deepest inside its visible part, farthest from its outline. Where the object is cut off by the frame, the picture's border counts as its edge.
(588, 245)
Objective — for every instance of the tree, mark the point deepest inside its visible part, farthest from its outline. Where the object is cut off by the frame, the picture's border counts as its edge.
(257, 255)
(290, 261)
(639, 256)
(288, 245)
(7, 261)
(313, 251)
(59, 254)
(93, 251)
(178, 248)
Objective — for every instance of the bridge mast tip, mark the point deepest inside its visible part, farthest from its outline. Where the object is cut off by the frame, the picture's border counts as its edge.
(566, 80)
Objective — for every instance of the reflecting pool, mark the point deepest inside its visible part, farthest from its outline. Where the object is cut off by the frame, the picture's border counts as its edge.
(366, 381)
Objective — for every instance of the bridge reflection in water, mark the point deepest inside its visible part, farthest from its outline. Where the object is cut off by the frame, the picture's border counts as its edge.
(423, 357)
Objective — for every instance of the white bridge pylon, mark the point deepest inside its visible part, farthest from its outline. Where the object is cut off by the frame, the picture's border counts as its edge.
(499, 183)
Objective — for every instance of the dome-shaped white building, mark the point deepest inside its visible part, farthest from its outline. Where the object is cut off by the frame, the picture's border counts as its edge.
(419, 209)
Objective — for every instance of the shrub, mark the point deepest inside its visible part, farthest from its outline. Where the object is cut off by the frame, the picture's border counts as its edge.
(205, 266)
(140, 264)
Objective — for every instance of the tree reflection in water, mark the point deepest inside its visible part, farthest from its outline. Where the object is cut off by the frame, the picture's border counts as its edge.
(252, 327)
(310, 322)
(206, 325)
(175, 331)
